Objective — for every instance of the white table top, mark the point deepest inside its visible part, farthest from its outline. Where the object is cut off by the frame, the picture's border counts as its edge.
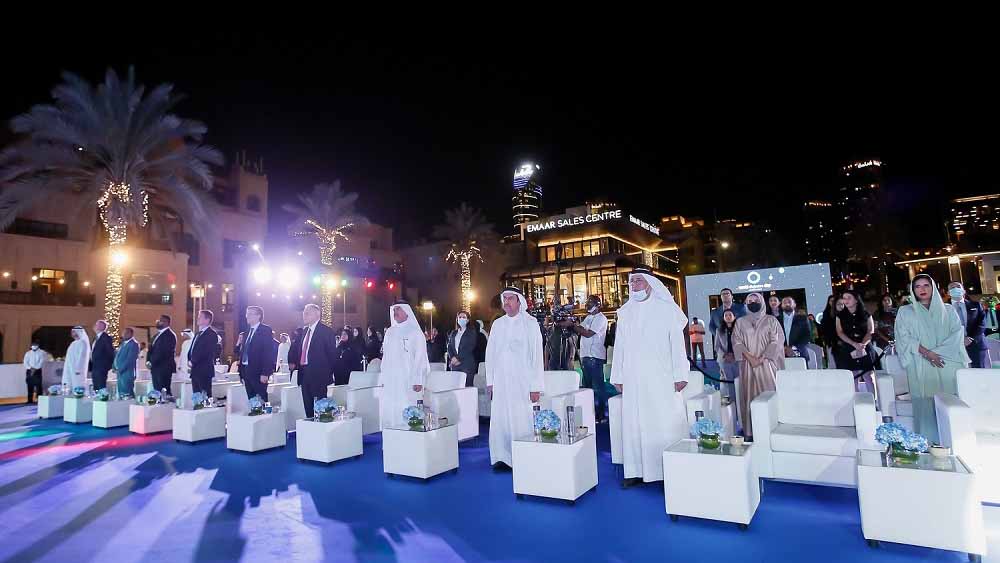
(690, 446)
(560, 439)
(407, 428)
(924, 462)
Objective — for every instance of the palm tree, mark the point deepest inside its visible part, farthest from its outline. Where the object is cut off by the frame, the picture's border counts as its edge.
(326, 213)
(466, 229)
(118, 147)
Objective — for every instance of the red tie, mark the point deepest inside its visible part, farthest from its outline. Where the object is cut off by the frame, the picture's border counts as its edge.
(304, 359)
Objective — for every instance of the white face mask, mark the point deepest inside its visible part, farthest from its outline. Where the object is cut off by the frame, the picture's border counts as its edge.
(33, 347)
(593, 310)
(639, 295)
(463, 322)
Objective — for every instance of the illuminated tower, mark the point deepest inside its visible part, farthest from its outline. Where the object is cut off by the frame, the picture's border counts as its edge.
(527, 198)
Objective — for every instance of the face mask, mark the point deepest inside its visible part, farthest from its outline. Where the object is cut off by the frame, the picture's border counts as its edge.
(593, 309)
(956, 293)
(463, 322)
(639, 295)
(754, 307)
(34, 347)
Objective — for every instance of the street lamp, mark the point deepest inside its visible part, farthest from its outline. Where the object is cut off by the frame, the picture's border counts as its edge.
(429, 307)
(724, 245)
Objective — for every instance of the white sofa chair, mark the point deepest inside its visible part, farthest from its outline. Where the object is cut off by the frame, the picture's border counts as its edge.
(796, 364)
(374, 365)
(562, 389)
(292, 406)
(448, 396)
(811, 427)
(236, 401)
(970, 425)
(438, 366)
(894, 392)
(484, 398)
(695, 399)
(362, 396)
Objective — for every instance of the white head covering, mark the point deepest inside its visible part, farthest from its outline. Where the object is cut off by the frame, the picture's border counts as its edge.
(522, 316)
(82, 334)
(657, 291)
(409, 325)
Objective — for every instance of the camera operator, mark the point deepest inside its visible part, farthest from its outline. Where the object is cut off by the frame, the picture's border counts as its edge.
(560, 346)
(593, 352)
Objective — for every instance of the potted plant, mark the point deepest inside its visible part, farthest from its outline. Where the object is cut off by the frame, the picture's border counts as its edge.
(903, 446)
(102, 395)
(547, 424)
(324, 410)
(256, 406)
(153, 397)
(198, 400)
(414, 417)
(55, 390)
(708, 432)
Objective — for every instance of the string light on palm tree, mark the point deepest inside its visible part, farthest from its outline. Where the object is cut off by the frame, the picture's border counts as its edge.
(114, 146)
(326, 214)
(466, 228)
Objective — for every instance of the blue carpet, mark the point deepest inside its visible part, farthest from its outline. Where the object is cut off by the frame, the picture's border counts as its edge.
(72, 493)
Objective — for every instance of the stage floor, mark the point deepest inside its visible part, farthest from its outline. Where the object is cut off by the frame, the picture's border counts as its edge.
(72, 493)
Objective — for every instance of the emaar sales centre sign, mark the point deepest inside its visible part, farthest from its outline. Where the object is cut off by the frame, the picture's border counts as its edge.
(564, 221)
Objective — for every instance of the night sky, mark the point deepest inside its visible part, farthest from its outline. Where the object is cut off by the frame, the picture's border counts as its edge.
(422, 121)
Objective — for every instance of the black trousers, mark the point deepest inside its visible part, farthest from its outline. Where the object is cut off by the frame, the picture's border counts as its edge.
(202, 383)
(33, 377)
(255, 388)
(161, 379)
(313, 387)
(100, 377)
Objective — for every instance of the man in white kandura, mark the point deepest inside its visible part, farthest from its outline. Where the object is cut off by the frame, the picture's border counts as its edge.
(182, 360)
(404, 365)
(513, 375)
(77, 359)
(649, 369)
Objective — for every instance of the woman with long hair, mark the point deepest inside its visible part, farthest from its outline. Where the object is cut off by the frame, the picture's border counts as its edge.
(462, 344)
(930, 342)
(730, 368)
(855, 331)
(885, 322)
(828, 328)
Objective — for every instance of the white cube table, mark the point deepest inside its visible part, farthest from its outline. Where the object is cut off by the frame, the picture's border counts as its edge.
(255, 433)
(559, 468)
(142, 387)
(195, 425)
(328, 441)
(930, 503)
(150, 419)
(78, 409)
(50, 406)
(421, 453)
(717, 484)
(111, 414)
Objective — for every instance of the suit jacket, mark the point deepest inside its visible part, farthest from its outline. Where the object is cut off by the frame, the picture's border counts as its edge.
(262, 353)
(975, 325)
(465, 352)
(201, 354)
(800, 337)
(738, 309)
(161, 352)
(103, 356)
(322, 354)
(348, 360)
(125, 359)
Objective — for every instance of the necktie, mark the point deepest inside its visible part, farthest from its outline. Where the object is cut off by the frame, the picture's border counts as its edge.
(246, 346)
(304, 358)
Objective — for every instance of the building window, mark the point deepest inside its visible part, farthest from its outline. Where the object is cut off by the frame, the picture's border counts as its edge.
(31, 228)
(149, 288)
(253, 203)
(230, 250)
(228, 297)
(186, 243)
(46, 280)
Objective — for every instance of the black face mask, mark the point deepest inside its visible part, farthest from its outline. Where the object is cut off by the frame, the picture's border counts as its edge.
(754, 307)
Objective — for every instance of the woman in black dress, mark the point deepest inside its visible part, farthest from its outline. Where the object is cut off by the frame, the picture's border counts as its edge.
(855, 331)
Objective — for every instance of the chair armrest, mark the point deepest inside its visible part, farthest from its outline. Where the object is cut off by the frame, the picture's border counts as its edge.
(764, 417)
(956, 424)
(865, 420)
(886, 393)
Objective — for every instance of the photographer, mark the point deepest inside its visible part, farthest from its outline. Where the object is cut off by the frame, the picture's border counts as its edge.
(560, 344)
(593, 353)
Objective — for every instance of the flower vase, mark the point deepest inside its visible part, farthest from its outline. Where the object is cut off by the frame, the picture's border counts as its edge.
(326, 416)
(549, 434)
(902, 455)
(708, 441)
(416, 423)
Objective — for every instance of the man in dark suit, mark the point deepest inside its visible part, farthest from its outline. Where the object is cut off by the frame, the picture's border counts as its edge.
(201, 354)
(102, 357)
(258, 354)
(973, 318)
(161, 360)
(796, 329)
(313, 354)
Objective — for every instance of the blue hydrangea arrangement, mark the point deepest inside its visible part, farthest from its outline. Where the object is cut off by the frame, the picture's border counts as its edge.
(256, 406)
(904, 446)
(706, 427)
(547, 423)
(915, 442)
(891, 433)
(54, 390)
(413, 416)
(153, 397)
(79, 391)
(198, 400)
(102, 395)
(324, 409)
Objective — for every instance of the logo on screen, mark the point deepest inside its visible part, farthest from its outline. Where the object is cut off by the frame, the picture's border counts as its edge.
(753, 278)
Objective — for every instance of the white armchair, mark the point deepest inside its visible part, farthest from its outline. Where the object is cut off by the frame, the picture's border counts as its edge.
(438, 366)
(362, 396)
(562, 389)
(812, 426)
(970, 425)
(894, 392)
(374, 366)
(448, 396)
(695, 399)
(796, 364)
(274, 392)
(292, 406)
(236, 401)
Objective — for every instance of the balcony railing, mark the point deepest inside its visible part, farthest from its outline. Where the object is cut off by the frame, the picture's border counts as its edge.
(136, 298)
(47, 299)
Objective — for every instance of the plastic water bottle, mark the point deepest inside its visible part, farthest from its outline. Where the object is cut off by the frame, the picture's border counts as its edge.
(65, 389)
(571, 422)
(698, 415)
(886, 419)
(535, 409)
(163, 395)
(90, 390)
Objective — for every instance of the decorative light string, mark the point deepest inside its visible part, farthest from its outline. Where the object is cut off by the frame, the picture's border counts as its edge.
(464, 259)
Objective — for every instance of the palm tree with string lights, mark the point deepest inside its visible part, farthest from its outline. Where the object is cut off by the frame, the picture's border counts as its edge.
(118, 148)
(466, 229)
(327, 214)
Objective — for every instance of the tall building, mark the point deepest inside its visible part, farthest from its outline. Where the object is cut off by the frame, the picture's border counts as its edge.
(526, 202)
(975, 222)
(822, 239)
(860, 199)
